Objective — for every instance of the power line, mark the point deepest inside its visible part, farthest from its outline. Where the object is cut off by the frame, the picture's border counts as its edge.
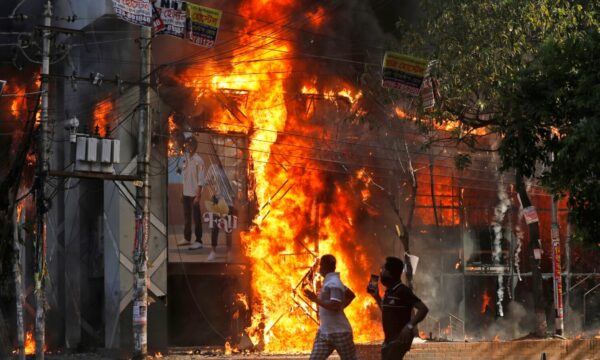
(341, 172)
(321, 140)
(347, 163)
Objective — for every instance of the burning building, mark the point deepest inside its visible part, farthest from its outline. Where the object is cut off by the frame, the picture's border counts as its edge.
(303, 155)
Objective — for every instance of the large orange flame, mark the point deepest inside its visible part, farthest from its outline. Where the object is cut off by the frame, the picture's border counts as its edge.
(29, 343)
(102, 116)
(293, 225)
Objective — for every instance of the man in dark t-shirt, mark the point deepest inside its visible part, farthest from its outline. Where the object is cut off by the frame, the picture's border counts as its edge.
(397, 307)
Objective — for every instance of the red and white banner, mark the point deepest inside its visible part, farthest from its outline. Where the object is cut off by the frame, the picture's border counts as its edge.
(557, 279)
(138, 12)
(157, 23)
(530, 215)
(173, 18)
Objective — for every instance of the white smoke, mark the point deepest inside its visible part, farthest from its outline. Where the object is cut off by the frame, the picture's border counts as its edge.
(520, 236)
(499, 215)
(513, 326)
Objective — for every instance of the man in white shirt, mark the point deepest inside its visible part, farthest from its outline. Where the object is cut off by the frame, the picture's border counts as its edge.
(335, 332)
(193, 179)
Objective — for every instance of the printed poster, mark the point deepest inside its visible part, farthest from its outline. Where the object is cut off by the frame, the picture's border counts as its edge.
(158, 24)
(530, 215)
(403, 72)
(173, 18)
(207, 198)
(203, 24)
(138, 12)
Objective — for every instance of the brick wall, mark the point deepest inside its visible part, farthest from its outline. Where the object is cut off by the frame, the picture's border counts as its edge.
(588, 349)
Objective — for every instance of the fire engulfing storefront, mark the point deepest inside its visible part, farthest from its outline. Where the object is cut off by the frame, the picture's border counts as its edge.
(269, 150)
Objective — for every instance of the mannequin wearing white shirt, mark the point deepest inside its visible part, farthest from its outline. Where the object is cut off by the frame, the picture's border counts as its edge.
(193, 172)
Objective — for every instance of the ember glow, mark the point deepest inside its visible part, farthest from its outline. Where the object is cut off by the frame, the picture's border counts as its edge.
(317, 17)
(19, 211)
(486, 301)
(444, 125)
(294, 225)
(171, 147)
(445, 196)
(18, 105)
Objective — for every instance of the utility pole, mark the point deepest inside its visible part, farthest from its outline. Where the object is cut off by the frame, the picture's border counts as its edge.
(142, 210)
(42, 208)
(556, 269)
(568, 274)
(18, 284)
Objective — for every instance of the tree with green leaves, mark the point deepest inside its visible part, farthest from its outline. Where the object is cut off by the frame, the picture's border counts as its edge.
(556, 102)
(488, 54)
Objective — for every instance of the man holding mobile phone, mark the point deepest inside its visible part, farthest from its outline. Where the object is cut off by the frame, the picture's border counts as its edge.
(397, 307)
(335, 332)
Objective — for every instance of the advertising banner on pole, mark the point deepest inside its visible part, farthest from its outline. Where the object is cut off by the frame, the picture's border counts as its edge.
(403, 72)
(173, 17)
(556, 267)
(158, 24)
(203, 24)
(427, 93)
(530, 215)
(138, 12)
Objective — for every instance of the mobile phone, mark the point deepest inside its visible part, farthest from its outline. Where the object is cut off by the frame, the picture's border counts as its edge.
(373, 286)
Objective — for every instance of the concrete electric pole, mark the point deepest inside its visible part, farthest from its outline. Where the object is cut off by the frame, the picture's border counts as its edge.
(44, 145)
(142, 211)
(559, 323)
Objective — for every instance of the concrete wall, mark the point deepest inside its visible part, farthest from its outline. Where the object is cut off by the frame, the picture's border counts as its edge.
(90, 238)
(119, 227)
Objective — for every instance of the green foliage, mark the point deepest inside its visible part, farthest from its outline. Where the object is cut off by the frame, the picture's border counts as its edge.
(560, 90)
(527, 70)
(576, 171)
(462, 161)
(482, 45)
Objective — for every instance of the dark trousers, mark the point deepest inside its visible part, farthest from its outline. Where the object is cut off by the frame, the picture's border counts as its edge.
(394, 350)
(190, 209)
(214, 236)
